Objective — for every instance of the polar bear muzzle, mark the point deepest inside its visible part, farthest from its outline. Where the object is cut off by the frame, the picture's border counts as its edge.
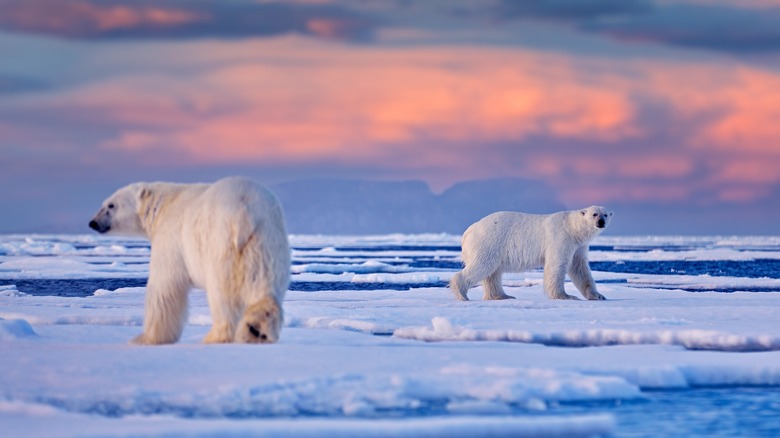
(256, 333)
(99, 227)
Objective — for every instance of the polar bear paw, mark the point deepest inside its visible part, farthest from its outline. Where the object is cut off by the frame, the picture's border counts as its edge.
(144, 339)
(219, 334)
(139, 340)
(564, 296)
(495, 296)
(595, 296)
(261, 323)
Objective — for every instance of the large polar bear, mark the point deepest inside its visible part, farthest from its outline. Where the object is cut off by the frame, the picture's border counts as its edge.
(228, 237)
(516, 242)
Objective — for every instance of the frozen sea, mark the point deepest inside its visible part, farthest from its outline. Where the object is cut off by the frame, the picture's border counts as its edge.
(374, 344)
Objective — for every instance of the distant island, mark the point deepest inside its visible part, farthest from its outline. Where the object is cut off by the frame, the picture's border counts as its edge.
(340, 206)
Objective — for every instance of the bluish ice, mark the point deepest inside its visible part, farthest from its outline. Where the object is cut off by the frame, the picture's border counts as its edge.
(374, 344)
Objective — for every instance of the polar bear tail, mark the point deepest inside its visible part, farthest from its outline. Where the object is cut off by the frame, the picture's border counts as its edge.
(261, 323)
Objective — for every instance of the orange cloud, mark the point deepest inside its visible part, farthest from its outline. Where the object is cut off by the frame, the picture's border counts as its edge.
(735, 106)
(75, 17)
(353, 102)
(122, 17)
(330, 28)
(638, 165)
(754, 110)
(449, 113)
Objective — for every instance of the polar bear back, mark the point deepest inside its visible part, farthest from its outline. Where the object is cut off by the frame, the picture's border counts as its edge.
(240, 207)
(519, 240)
(221, 220)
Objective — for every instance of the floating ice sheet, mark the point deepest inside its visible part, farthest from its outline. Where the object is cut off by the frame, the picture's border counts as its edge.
(348, 358)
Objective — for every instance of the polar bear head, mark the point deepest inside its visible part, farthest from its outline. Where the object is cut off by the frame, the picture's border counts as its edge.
(119, 212)
(597, 216)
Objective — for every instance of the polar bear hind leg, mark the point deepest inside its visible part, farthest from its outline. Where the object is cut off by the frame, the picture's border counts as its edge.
(225, 313)
(460, 287)
(265, 282)
(261, 323)
(165, 307)
(472, 274)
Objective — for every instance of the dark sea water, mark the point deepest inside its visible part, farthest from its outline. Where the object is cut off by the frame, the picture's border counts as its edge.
(762, 268)
(703, 412)
(759, 268)
(84, 287)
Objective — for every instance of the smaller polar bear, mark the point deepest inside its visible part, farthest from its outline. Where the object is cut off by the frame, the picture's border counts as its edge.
(228, 237)
(516, 242)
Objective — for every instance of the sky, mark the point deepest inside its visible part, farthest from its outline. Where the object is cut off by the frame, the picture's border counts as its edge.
(662, 106)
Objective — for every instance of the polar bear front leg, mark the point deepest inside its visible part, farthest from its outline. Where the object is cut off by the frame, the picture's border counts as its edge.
(579, 272)
(493, 288)
(165, 308)
(554, 277)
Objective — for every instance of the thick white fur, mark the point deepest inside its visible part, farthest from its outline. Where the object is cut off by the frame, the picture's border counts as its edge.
(516, 242)
(228, 238)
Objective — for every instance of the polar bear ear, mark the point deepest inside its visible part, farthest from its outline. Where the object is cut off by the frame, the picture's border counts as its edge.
(611, 213)
(144, 194)
(582, 212)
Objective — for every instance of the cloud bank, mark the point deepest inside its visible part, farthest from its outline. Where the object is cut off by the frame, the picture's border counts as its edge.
(637, 101)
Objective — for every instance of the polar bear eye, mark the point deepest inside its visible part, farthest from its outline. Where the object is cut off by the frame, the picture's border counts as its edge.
(595, 214)
(111, 206)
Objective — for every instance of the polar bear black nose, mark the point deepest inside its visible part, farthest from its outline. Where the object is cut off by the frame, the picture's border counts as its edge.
(601, 223)
(95, 225)
(255, 332)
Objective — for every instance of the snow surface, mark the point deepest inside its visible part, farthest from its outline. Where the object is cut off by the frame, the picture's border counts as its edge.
(377, 362)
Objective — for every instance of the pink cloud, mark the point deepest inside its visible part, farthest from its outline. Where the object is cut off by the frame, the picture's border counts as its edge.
(588, 192)
(738, 103)
(743, 194)
(78, 17)
(749, 171)
(654, 167)
(754, 110)
(354, 102)
(446, 114)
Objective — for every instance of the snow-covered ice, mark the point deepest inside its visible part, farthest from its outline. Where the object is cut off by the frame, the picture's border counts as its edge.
(379, 362)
